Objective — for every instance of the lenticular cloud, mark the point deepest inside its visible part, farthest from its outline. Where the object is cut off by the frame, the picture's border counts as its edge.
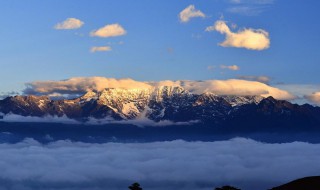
(174, 165)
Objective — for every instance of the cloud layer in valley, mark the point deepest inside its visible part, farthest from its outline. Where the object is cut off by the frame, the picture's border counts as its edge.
(69, 24)
(190, 12)
(174, 165)
(81, 85)
(140, 121)
(252, 39)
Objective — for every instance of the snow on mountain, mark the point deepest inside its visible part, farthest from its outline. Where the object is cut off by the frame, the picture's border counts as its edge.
(161, 103)
(241, 100)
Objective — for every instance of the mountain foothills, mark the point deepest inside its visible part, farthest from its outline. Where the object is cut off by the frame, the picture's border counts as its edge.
(167, 103)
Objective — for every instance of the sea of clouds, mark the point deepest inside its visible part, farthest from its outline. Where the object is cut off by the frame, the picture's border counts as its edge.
(140, 122)
(175, 165)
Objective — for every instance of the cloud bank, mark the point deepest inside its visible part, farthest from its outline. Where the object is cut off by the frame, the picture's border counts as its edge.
(252, 39)
(314, 97)
(139, 122)
(69, 24)
(81, 85)
(175, 165)
(303, 92)
(190, 12)
(47, 119)
(263, 79)
(107, 31)
(230, 67)
(100, 48)
(230, 87)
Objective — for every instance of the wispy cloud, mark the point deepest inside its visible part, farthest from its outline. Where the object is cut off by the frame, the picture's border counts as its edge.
(252, 39)
(69, 24)
(140, 122)
(190, 12)
(263, 79)
(249, 7)
(211, 67)
(314, 97)
(111, 30)
(246, 10)
(304, 92)
(260, 2)
(100, 48)
(230, 67)
(6, 94)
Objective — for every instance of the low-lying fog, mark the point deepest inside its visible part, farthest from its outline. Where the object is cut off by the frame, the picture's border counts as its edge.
(175, 165)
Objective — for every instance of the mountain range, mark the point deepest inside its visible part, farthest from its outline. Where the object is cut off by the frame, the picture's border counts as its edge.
(167, 103)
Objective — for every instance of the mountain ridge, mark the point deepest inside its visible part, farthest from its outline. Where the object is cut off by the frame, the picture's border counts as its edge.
(164, 103)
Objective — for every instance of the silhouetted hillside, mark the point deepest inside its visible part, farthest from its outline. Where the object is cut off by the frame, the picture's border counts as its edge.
(307, 183)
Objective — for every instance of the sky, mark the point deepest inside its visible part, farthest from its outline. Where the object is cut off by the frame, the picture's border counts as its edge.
(270, 41)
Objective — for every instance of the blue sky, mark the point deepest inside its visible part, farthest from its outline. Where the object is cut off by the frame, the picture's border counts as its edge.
(157, 45)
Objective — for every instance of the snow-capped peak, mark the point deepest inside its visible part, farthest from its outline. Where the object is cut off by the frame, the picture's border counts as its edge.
(241, 100)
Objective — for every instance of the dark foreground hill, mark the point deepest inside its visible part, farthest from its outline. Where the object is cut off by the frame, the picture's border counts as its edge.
(307, 183)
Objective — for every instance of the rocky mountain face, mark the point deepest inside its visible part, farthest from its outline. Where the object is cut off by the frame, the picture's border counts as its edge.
(164, 103)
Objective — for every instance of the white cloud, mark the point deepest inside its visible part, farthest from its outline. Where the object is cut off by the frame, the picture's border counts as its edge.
(314, 97)
(190, 12)
(80, 85)
(69, 24)
(240, 162)
(260, 2)
(230, 67)
(111, 30)
(100, 48)
(253, 39)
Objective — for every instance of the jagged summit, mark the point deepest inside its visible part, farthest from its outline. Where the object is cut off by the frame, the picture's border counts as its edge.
(160, 103)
